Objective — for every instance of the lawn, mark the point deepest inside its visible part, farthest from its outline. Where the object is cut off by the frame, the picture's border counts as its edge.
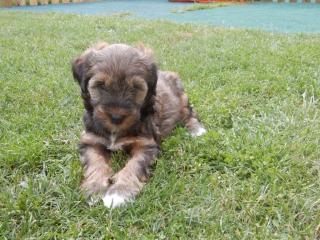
(254, 175)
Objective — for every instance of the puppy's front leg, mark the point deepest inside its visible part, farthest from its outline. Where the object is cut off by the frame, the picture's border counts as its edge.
(129, 181)
(95, 159)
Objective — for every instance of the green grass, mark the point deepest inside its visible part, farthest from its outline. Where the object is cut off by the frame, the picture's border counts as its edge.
(202, 6)
(255, 175)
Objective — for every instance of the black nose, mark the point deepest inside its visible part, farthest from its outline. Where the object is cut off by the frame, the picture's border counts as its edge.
(116, 119)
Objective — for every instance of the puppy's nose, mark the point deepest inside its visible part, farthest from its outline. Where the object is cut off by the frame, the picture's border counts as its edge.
(116, 119)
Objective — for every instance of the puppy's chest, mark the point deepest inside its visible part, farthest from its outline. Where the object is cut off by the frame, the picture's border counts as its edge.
(114, 144)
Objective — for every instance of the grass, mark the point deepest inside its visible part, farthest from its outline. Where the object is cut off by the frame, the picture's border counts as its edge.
(202, 6)
(255, 175)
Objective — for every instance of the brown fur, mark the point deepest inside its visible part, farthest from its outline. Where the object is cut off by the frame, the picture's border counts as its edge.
(129, 105)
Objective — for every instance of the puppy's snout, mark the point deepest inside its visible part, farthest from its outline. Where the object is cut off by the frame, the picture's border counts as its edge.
(116, 119)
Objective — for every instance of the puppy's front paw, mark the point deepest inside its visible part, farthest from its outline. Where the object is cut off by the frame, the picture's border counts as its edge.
(96, 183)
(114, 200)
(117, 195)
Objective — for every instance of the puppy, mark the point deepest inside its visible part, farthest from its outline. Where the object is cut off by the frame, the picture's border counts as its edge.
(129, 105)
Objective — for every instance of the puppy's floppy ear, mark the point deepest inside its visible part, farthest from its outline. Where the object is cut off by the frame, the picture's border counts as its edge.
(148, 105)
(81, 65)
(148, 57)
(78, 70)
(151, 79)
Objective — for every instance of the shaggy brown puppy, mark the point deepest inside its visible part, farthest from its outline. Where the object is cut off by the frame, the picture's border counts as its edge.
(129, 105)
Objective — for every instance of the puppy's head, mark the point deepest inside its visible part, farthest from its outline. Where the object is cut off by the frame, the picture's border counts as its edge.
(118, 84)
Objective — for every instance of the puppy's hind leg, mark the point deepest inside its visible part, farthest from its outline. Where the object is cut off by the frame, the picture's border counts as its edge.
(187, 115)
(190, 118)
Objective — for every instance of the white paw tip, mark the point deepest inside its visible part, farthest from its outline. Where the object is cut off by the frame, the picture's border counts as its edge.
(198, 132)
(114, 200)
(23, 184)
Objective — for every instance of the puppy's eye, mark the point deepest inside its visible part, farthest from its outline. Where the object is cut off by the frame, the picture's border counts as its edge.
(101, 85)
(139, 86)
